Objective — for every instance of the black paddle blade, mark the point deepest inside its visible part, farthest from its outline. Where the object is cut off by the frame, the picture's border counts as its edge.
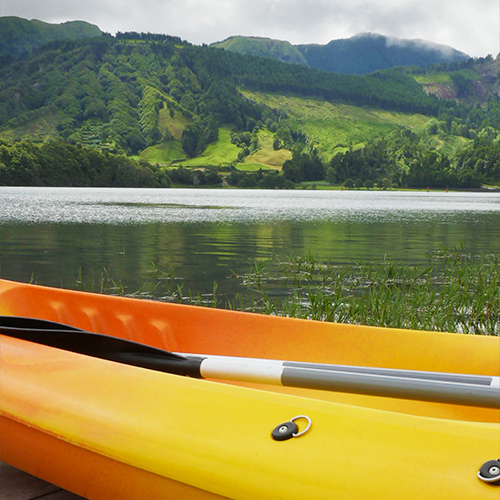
(99, 345)
(33, 324)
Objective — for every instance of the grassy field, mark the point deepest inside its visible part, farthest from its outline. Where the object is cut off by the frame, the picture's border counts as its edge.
(333, 127)
(217, 153)
(433, 78)
(163, 153)
(266, 156)
(220, 152)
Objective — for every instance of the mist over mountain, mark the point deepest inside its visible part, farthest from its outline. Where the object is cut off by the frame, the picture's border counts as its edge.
(360, 54)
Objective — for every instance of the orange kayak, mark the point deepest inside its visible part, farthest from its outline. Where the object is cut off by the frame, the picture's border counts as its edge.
(105, 429)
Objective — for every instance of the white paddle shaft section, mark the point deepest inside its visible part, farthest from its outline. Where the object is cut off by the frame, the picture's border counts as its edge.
(453, 388)
(263, 371)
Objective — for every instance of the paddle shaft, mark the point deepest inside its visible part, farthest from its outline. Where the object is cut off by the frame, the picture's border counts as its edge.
(471, 390)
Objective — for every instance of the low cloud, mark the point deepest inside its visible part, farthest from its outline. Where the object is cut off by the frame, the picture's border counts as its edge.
(426, 44)
(472, 27)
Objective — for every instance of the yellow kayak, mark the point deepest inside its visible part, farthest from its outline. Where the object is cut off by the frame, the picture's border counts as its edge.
(103, 428)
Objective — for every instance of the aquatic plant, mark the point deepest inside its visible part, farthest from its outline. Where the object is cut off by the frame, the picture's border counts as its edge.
(455, 291)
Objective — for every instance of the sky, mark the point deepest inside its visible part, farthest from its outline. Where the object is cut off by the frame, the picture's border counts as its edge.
(472, 26)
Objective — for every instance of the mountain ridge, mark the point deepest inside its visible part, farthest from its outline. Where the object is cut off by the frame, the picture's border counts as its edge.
(360, 54)
(280, 50)
(20, 35)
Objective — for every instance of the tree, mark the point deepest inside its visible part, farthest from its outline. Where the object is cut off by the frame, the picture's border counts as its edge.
(331, 175)
(292, 171)
(181, 175)
(385, 183)
(462, 84)
(214, 179)
(348, 183)
(272, 181)
(190, 140)
(433, 127)
(313, 167)
(304, 167)
(164, 180)
(247, 181)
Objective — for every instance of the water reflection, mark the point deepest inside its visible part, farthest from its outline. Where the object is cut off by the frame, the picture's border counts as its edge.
(207, 235)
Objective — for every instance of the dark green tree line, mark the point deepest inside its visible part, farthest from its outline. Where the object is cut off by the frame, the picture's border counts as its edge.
(62, 164)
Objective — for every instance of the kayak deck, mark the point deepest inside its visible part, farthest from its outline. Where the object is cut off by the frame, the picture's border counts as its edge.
(128, 428)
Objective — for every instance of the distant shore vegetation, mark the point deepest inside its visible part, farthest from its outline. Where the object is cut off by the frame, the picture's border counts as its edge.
(396, 162)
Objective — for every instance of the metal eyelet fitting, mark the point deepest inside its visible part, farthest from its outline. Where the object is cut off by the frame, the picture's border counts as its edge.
(490, 472)
(290, 429)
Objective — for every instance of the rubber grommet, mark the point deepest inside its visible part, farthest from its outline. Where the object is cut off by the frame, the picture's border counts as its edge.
(284, 431)
(490, 472)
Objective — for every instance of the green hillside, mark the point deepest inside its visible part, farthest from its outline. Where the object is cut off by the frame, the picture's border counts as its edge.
(164, 104)
(19, 35)
(265, 155)
(223, 152)
(369, 52)
(126, 94)
(220, 152)
(263, 47)
(334, 127)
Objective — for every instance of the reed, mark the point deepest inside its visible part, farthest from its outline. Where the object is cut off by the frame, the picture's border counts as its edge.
(455, 291)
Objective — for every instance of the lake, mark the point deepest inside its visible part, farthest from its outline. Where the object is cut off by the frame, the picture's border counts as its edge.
(207, 235)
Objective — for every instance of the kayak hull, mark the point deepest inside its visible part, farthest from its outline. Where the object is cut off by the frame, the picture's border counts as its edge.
(86, 473)
(105, 430)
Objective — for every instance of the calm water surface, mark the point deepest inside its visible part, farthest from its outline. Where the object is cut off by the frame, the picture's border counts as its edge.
(208, 235)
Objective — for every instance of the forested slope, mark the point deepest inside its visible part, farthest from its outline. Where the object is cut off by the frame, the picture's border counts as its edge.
(124, 82)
